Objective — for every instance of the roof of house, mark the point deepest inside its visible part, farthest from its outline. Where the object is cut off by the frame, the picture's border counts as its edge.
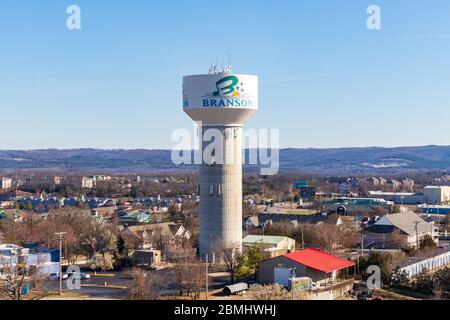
(253, 220)
(319, 260)
(406, 222)
(298, 218)
(263, 239)
(379, 228)
(168, 228)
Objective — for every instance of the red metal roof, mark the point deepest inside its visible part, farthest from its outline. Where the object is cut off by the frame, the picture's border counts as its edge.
(319, 260)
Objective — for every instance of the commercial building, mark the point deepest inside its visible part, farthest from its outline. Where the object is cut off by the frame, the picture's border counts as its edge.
(433, 260)
(266, 219)
(35, 261)
(431, 195)
(434, 209)
(399, 230)
(402, 198)
(322, 267)
(437, 194)
(346, 205)
(271, 246)
(220, 102)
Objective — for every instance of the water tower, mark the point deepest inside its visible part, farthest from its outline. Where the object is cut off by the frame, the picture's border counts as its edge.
(220, 102)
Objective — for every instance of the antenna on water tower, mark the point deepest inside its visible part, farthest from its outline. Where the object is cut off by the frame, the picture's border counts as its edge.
(228, 68)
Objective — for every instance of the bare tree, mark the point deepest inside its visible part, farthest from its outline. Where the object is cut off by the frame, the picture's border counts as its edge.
(195, 279)
(231, 256)
(12, 281)
(103, 261)
(181, 260)
(144, 285)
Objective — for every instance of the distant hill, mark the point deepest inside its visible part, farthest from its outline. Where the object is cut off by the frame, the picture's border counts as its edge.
(348, 161)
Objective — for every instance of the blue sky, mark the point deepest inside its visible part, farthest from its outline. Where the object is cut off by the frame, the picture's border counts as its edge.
(325, 79)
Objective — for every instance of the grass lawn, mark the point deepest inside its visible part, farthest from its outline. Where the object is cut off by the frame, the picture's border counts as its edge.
(55, 295)
(301, 212)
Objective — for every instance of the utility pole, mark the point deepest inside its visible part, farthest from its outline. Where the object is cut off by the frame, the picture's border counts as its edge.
(206, 277)
(417, 233)
(292, 199)
(209, 249)
(362, 244)
(60, 235)
(303, 242)
(292, 281)
(362, 250)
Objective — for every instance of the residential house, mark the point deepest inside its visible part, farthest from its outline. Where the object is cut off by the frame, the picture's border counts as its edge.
(144, 233)
(135, 217)
(399, 230)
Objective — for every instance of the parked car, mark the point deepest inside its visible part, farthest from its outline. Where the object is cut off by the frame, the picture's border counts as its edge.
(83, 276)
(357, 288)
(365, 295)
(55, 276)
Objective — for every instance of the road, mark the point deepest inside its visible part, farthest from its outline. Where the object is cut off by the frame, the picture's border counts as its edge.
(95, 289)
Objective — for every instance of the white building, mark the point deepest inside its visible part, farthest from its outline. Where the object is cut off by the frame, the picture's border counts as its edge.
(6, 183)
(101, 178)
(437, 194)
(12, 255)
(415, 265)
(403, 198)
(87, 182)
(271, 246)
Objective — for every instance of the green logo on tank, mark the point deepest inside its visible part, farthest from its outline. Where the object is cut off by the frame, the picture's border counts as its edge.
(227, 86)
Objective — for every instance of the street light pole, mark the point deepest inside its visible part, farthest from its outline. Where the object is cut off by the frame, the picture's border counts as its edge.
(60, 235)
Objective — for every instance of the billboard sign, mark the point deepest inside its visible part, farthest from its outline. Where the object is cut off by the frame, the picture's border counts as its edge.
(223, 90)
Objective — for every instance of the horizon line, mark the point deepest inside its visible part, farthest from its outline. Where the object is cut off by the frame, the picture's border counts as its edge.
(281, 148)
